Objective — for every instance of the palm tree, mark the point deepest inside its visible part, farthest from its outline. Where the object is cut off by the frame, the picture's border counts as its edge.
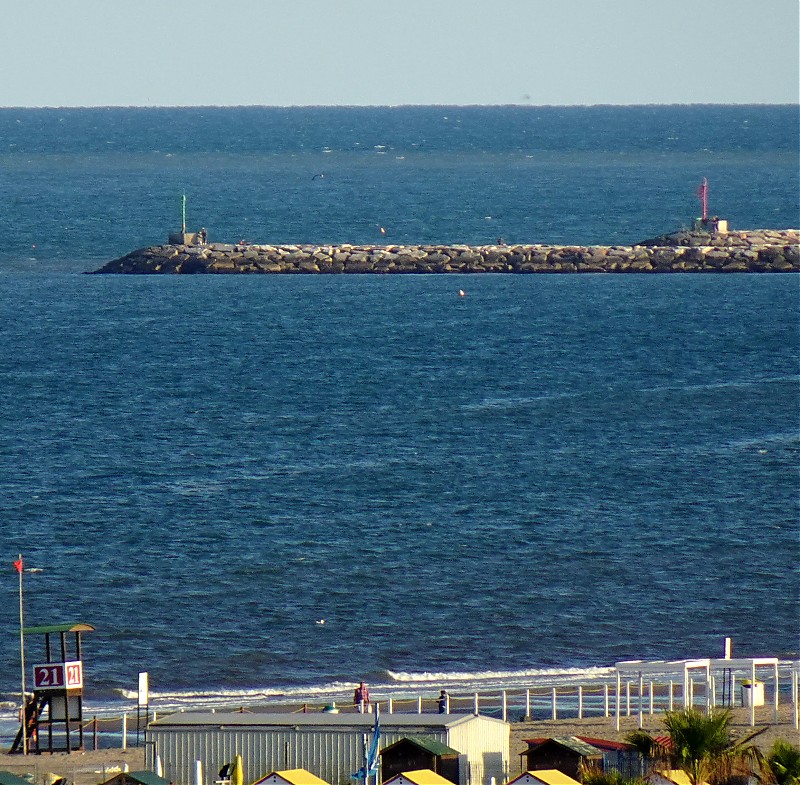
(699, 741)
(700, 745)
(781, 766)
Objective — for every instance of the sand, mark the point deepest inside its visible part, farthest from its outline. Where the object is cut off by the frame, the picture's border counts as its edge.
(91, 768)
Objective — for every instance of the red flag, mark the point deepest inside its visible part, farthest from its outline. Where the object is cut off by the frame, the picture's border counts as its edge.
(18, 564)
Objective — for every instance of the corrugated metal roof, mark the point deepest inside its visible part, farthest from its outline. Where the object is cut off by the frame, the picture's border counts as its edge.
(429, 745)
(74, 626)
(606, 744)
(7, 778)
(294, 777)
(420, 777)
(574, 743)
(347, 721)
(532, 743)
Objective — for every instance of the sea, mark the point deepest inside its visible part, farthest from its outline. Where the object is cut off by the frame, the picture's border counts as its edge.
(268, 488)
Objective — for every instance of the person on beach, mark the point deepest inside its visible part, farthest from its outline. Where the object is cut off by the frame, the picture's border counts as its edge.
(443, 702)
(361, 698)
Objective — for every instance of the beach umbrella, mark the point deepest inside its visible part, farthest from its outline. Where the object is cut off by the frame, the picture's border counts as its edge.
(237, 772)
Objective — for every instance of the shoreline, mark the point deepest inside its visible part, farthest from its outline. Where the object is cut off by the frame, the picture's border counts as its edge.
(753, 251)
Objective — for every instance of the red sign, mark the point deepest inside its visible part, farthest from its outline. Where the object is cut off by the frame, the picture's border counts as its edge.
(58, 676)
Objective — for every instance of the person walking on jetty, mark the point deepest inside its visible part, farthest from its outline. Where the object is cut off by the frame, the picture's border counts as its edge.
(361, 698)
(443, 702)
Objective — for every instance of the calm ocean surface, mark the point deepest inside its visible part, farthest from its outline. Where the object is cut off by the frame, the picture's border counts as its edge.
(549, 473)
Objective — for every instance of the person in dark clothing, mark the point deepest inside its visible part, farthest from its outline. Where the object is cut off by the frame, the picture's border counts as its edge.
(443, 702)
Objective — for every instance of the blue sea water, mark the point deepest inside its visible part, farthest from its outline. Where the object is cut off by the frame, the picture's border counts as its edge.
(550, 473)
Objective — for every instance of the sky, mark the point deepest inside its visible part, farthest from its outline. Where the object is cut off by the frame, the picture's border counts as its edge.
(391, 52)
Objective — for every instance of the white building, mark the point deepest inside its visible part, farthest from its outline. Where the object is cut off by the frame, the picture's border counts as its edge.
(330, 746)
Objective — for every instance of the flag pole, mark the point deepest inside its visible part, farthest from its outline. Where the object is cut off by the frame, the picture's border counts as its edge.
(364, 753)
(19, 565)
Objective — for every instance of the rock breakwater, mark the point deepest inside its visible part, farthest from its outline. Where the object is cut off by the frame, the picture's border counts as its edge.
(759, 250)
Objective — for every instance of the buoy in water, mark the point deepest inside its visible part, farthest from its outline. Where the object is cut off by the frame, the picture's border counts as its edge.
(462, 293)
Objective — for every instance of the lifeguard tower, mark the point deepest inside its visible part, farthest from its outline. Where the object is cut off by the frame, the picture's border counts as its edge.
(53, 720)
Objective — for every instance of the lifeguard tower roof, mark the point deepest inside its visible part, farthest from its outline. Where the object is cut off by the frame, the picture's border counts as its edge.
(46, 629)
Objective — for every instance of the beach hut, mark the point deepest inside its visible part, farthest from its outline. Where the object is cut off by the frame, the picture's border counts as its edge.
(543, 777)
(412, 754)
(330, 746)
(563, 753)
(419, 777)
(136, 778)
(670, 777)
(290, 777)
(569, 753)
(7, 778)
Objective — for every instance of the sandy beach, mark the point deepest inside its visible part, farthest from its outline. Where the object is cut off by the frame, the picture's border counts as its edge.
(93, 767)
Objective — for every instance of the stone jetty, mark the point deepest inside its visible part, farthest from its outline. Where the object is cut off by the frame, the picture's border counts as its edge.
(759, 250)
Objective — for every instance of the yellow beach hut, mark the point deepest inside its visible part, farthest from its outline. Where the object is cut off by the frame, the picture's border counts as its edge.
(418, 777)
(543, 777)
(290, 777)
(670, 777)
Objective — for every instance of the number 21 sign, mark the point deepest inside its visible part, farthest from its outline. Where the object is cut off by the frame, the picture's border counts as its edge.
(58, 676)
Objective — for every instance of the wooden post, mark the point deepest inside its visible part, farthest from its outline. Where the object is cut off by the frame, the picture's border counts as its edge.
(198, 772)
(752, 693)
(795, 695)
(651, 699)
(711, 700)
(641, 701)
(580, 702)
(125, 731)
(94, 733)
(686, 703)
(504, 698)
(554, 712)
(419, 704)
(618, 706)
(475, 704)
(671, 695)
(527, 703)
(627, 699)
(390, 708)
(776, 693)
(605, 700)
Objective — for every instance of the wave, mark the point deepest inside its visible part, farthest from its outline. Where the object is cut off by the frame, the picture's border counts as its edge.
(398, 685)
(482, 679)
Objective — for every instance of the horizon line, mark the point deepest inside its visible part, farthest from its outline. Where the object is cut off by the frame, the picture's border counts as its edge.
(399, 106)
